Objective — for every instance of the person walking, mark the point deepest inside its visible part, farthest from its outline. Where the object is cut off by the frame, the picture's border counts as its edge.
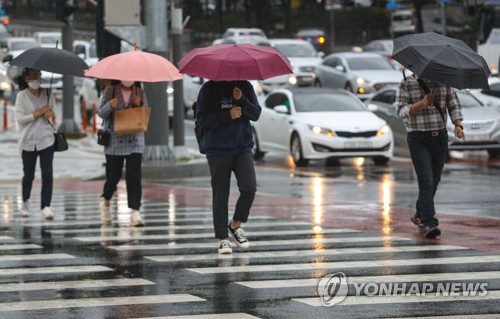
(34, 107)
(422, 105)
(127, 148)
(224, 110)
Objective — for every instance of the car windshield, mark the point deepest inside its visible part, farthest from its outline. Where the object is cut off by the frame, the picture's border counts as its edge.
(327, 102)
(295, 50)
(92, 51)
(369, 63)
(23, 45)
(50, 39)
(467, 100)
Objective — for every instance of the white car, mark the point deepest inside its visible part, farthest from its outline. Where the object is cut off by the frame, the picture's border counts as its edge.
(303, 58)
(489, 97)
(318, 123)
(48, 39)
(241, 35)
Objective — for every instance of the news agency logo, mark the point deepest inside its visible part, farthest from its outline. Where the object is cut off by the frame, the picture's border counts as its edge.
(333, 288)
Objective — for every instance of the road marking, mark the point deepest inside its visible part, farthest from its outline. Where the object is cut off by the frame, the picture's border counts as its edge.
(313, 282)
(97, 302)
(485, 316)
(349, 264)
(264, 243)
(51, 270)
(6, 238)
(76, 284)
(19, 247)
(304, 253)
(211, 235)
(32, 257)
(401, 299)
(210, 316)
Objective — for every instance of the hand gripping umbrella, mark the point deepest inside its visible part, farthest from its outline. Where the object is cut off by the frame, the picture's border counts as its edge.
(442, 59)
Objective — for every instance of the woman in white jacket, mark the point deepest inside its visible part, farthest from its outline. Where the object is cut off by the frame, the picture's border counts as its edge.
(34, 107)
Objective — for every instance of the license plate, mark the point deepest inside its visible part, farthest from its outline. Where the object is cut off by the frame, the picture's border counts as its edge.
(476, 137)
(358, 144)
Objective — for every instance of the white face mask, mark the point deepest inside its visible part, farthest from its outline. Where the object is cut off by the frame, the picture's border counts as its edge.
(35, 84)
(127, 84)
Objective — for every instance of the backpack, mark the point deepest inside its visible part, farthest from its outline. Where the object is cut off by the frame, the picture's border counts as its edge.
(199, 131)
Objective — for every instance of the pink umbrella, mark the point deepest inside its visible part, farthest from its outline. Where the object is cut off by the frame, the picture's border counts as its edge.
(135, 66)
(234, 62)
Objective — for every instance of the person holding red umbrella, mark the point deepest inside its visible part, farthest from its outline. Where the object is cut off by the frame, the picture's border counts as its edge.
(224, 110)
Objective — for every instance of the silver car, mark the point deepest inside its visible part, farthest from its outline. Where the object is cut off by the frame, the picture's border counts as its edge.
(361, 73)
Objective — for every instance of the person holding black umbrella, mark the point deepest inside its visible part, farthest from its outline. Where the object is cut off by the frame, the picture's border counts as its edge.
(422, 105)
(34, 107)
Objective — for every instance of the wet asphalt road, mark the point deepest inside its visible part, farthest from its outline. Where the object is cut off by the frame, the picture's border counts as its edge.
(306, 223)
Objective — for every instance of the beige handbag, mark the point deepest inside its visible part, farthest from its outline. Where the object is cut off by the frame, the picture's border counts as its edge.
(132, 120)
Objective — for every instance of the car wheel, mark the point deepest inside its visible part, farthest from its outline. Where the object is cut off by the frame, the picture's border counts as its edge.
(296, 151)
(494, 153)
(257, 153)
(332, 161)
(317, 83)
(381, 160)
(349, 88)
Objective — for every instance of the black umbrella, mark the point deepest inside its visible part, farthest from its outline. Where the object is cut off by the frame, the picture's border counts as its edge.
(442, 59)
(51, 60)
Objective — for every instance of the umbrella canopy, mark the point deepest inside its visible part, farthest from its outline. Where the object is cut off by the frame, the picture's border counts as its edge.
(135, 66)
(442, 59)
(51, 60)
(235, 62)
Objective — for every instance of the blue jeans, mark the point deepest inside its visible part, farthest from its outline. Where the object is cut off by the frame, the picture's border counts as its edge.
(29, 166)
(428, 153)
(220, 170)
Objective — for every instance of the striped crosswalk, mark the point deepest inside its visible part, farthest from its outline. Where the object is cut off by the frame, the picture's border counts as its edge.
(171, 269)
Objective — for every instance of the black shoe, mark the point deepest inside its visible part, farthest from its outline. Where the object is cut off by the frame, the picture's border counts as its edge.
(239, 236)
(431, 231)
(415, 219)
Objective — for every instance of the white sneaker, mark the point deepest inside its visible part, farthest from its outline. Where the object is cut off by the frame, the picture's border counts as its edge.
(105, 214)
(47, 213)
(225, 247)
(25, 212)
(135, 219)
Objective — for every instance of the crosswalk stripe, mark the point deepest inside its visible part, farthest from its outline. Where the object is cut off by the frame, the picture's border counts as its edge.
(32, 257)
(485, 316)
(377, 300)
(6, 238)
(349, 264)
(97, 302)
(76, 284)
(210, 316)
(304, 253)
(51, 270)
(313, 282)
(19, 247)
(211, 235)
(184, 227)
(264, 243)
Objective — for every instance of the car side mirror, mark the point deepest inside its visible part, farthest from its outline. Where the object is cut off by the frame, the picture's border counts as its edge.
(340, 68)
(7, 58)
(282, 109)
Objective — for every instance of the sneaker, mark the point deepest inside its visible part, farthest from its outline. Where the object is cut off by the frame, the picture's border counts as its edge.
(135, 219)
(239, 236)
(431, 231)
(105, 214)
(47, 213)
(25, 212)
(418, 223)
(225, 247)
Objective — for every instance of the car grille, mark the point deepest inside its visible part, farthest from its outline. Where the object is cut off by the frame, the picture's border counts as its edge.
(323, 148)
(306, 69)
(484, 126)
(356, 134)
(379, 86)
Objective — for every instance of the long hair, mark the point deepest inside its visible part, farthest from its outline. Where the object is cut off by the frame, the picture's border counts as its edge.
(21, 79)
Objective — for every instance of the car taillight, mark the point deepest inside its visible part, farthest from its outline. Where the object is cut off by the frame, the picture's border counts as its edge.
(299, 38)
(391, 58)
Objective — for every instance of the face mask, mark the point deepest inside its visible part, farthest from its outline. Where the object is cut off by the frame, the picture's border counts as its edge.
(127, 84)
(35, 84)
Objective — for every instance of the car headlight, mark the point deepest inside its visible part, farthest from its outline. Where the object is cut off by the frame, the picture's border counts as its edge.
(292, 80)
(383, 130)
(170, 90)
(321, 130)
(361, 80)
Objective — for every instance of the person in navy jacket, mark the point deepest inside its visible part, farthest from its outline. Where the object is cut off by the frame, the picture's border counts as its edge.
(224, 111)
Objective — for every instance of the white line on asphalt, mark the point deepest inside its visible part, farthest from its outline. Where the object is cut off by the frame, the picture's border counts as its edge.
(31, 257)
(210, 316)
(304, 253)
(485, 316)
(51, 270)
(349, 264)
(75, 284)
(313, 282)
(5, 238)
(97, 302)
(19, 247)
(403, 299)
(211, 235)
(285, 242)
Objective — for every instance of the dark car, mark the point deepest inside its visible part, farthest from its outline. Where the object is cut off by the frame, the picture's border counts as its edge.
(316, 36)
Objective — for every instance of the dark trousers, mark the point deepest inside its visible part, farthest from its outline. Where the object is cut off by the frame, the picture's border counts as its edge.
(220, 171)
(29, 166)
(133, 177)
(428, 154)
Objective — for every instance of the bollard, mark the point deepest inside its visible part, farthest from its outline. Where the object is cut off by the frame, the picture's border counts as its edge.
(5, 118)
(94, 118)
(83, 110)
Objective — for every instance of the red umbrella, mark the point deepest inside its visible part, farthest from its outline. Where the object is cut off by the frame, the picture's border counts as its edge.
(135, 66)
(234, 62)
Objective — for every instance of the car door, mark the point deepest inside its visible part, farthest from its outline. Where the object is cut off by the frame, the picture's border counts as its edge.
(335, 77)
(281, 122)
(268, 126)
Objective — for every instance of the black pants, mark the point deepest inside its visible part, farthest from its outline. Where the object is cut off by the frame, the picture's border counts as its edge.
(133, 177)
(220, 171)
(29, 166)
